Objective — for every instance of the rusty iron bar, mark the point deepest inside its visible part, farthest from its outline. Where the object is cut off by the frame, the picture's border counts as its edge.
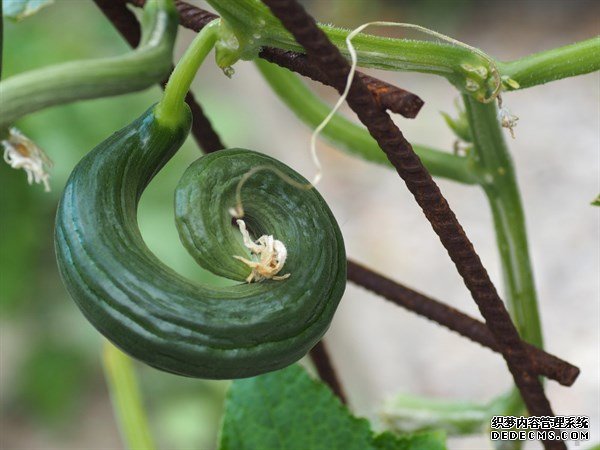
(324, 54)
(320, 356)
(122, 19)
(386, 95)
(125, 22)
(544, 363)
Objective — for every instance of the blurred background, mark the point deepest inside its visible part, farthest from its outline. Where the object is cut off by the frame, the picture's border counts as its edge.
(52, 389)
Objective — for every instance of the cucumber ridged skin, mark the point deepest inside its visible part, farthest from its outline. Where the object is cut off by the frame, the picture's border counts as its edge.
(161, 318)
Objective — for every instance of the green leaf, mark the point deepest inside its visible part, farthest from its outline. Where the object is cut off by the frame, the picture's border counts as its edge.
(20, 9)
(596, 201)
(289, 410)
(433, 440)
(459, 126)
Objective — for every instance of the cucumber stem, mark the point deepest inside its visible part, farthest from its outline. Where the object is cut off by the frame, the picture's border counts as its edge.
(171, 108)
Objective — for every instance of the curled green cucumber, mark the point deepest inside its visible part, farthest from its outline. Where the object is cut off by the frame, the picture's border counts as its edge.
(139, 69)
(165, 320)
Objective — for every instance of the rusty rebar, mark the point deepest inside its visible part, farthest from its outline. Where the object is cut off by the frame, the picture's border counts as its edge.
(386, 95)
(327, 57)
(544, 363)
(122, 19)
(320, 356)
(125, 22)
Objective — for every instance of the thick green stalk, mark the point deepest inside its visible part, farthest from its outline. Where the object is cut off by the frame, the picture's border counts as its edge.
(172, 107)
(77, 80)
(351, 137)
(503, 195)
(126, 399)
(255, 27)
(562, 62)
(500, 186)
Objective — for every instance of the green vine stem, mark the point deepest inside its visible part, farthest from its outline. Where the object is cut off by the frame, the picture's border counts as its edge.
(499, 183)
(562, 62)
(126, 399)
(254, 26)
(500, 186)
(77, 80)
(172, 107)
(351, 137)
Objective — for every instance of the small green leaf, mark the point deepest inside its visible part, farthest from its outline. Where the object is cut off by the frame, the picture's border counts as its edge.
(596, 201)
(508, 82)
(460, 125)
(20, 9)
(289, 410)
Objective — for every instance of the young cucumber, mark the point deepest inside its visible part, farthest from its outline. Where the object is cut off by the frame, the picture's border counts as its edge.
(165, 320)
